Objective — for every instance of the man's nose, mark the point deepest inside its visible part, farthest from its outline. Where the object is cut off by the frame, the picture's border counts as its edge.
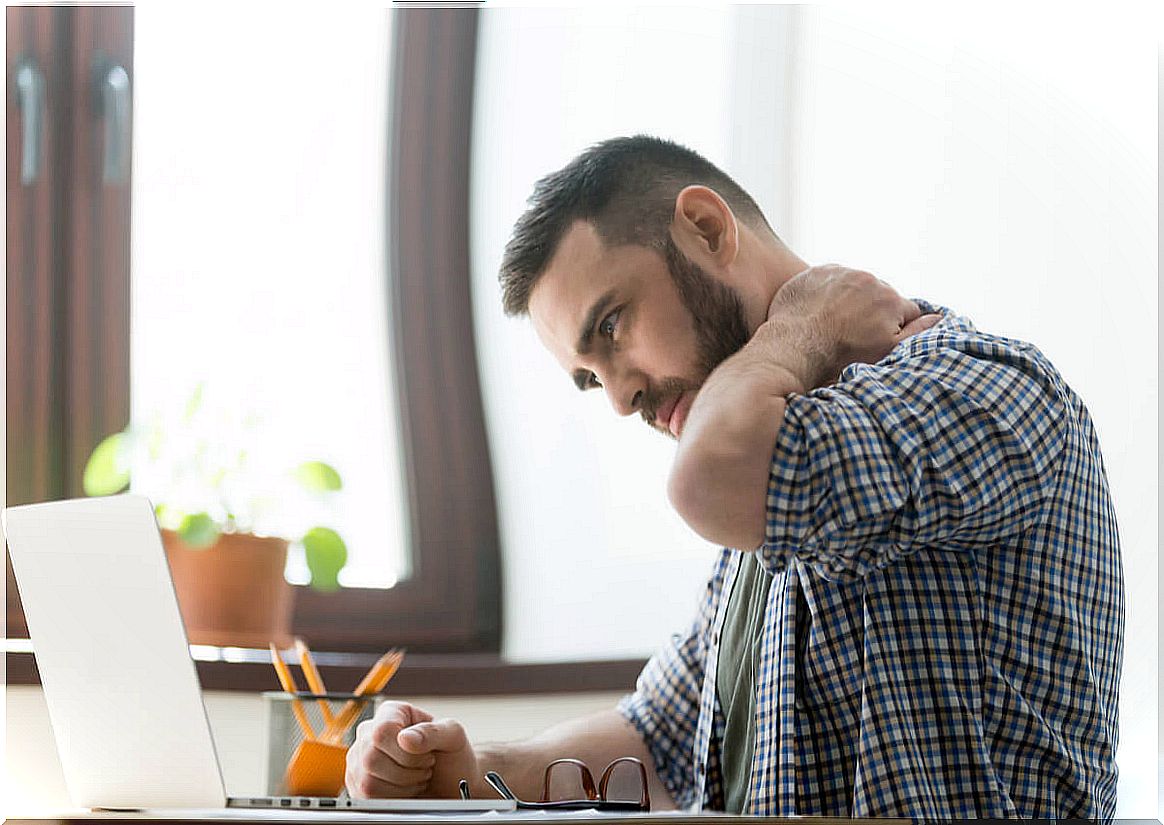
(625, 394)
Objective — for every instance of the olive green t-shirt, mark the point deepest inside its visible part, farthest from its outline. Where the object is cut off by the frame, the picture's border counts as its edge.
(735, 679)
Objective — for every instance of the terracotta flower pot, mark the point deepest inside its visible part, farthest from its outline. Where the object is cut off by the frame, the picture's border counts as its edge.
(232, 594)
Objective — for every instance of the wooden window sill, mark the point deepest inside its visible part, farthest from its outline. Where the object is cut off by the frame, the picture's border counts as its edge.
(422, 674)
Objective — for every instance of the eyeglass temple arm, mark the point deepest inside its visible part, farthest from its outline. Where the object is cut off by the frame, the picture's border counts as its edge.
(495, 780)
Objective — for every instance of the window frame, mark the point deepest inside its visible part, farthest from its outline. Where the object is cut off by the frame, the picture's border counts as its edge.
(67, 290)
(452, 601)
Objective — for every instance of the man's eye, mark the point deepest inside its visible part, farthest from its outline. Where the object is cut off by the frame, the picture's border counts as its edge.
(609, 323)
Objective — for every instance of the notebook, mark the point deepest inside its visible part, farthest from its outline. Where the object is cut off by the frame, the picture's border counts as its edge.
(122, 691)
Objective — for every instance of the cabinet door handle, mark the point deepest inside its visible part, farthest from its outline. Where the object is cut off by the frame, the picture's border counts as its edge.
(115, 97)
(30, 97)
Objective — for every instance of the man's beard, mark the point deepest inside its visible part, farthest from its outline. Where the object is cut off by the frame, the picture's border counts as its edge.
(716, 309)
(718, 315)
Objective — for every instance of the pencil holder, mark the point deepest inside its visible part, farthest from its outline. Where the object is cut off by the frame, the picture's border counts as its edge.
(301, 765)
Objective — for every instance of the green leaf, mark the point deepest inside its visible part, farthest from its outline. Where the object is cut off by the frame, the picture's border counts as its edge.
(198, 530)
(326, 555)
(195, 402)
(318, 477)
(169, 517)
(107, 471)
(155, 442)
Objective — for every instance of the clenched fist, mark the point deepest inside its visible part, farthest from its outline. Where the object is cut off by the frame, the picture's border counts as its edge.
(404, 752)
(830, 316)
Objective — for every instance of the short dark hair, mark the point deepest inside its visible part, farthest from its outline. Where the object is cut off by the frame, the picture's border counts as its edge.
(626, 187)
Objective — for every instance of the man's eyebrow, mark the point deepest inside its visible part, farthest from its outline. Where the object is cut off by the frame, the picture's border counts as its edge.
(591, 321)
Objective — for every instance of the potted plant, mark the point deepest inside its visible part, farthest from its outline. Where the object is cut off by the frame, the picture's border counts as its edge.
(228, 511)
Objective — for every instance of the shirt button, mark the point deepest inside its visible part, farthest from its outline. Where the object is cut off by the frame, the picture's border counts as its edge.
(699, 769)
(715, 639)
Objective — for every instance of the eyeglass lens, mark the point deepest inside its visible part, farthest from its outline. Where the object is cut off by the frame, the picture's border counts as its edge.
(624, 780)
(568, 779)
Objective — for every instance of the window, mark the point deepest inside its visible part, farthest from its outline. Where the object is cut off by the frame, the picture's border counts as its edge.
(69, 287)
(259, 259)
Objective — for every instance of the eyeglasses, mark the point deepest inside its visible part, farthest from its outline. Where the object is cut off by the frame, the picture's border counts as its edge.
(596, 797)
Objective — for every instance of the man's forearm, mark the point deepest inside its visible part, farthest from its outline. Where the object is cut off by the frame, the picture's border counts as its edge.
(596, 740)
(719, 480)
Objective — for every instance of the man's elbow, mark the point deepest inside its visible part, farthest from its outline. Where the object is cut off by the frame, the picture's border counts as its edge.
(714, 504)
(689, 500)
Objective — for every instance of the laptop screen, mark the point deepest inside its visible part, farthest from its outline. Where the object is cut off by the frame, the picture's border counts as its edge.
(122, 692)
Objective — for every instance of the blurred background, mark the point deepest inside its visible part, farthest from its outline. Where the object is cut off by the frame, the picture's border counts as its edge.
(296, 220)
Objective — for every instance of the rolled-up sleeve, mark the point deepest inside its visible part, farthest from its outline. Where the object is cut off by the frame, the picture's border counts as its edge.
(950, 444)
(665, 706)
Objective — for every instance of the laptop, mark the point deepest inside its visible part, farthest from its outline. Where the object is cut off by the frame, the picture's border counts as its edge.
(122, 691)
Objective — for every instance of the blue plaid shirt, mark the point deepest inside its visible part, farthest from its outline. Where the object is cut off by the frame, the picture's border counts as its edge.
(943, 635)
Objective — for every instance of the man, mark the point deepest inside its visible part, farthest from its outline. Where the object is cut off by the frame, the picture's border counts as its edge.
(919, 610)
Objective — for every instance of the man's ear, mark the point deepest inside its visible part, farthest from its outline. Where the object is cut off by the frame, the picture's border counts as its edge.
(704, 227)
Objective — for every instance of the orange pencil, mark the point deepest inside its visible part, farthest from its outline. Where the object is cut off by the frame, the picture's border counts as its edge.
(373, 682)
(314, 680)
(288, 684)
